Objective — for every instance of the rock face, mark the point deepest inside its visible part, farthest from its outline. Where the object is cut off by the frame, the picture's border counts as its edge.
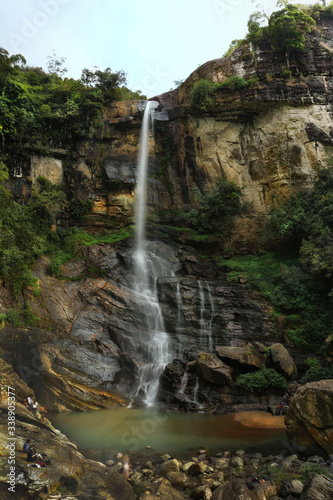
(89, 347)
(270, 139)
(309, 419)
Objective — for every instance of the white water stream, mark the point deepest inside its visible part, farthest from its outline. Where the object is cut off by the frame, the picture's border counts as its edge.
(148, 267)
(207, 310)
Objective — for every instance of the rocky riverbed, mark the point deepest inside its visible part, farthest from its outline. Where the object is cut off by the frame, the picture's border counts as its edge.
(226, 476)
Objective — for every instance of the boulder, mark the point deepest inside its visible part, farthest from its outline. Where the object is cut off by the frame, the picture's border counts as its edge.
(167, 467)
(293, 488)
(317, 487)
(245, 357)
(211, 368)
(283, 362)
(309, 419)
(237, 489)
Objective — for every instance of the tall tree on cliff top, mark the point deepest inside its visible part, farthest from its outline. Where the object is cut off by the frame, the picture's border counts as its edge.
(287, 28)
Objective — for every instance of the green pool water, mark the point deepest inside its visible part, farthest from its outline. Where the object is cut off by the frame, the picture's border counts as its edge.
(105, 433)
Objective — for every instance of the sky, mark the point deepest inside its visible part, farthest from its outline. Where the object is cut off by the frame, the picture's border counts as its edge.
(155, 42)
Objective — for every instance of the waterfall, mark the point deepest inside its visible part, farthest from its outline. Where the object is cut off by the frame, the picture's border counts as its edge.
(180, 322)
(207, 310)
(183, 383)
(147, 267)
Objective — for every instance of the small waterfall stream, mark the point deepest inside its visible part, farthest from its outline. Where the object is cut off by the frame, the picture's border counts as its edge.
(147, 268)
(207, 310)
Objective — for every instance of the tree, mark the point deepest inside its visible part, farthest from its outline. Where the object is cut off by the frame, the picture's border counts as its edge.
(287, 28)
(255, 22)
(56, 65)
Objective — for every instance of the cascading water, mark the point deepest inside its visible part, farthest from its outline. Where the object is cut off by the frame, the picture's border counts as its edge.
(180, 322)
(147, 267)
(207, 310)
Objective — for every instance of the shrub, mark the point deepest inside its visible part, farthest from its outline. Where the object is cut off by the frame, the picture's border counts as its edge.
(233, 83)
(309, 468)
(14, 318)
(316, 373)
(286, 74)
(262, 380)
(201, 95)
(217, 209)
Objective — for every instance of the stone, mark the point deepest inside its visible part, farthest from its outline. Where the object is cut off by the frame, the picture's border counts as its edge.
(309, 419)
(245, 357)
(237, 462)
(283, 362)
(237, 489)
(167, 467)
(212, 369)
(197, 469)
(177, 478)
(294, 487)
(317, 487)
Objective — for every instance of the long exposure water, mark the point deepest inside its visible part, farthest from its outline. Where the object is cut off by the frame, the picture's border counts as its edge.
(107, 432)
(148, 266)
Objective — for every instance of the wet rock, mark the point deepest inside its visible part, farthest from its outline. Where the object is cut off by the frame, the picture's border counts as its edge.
(309, 419)
(283, 362)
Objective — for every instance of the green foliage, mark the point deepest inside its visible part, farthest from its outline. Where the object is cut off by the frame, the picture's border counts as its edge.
(310, 467)
(78, 209)
(201, 95)
(233, 83)
(215, 215)
(288, 27)
(66, 246)
(50, 108)
(232, 47)
(125, 94)
(202, 92)
(293, 292)
(261, 381)
(286, 74)
(30, 318)
(316, 372)
(304, 225)
(14, 317)
(25, 230)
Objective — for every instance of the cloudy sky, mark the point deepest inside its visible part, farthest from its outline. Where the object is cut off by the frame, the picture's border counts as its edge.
(156, 42)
